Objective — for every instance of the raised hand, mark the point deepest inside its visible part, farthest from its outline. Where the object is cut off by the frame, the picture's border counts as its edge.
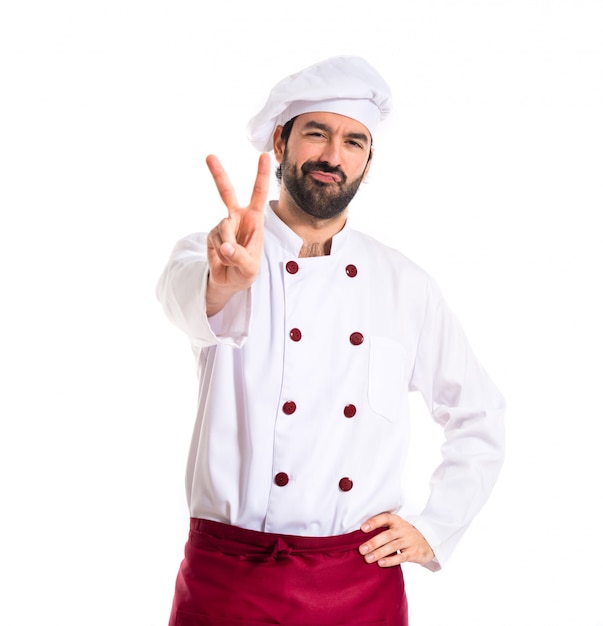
(234, 246)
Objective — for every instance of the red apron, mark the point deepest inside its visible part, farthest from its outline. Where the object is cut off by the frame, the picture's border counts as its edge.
(236, 577)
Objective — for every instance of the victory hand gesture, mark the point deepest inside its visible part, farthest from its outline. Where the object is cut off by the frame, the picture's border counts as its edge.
(234, 246)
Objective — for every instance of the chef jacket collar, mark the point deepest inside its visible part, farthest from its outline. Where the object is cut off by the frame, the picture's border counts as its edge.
(292, 242)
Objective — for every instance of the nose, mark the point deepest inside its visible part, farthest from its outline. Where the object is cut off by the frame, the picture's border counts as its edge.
(331, 154)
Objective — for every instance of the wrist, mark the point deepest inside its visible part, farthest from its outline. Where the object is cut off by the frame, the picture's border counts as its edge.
(217, 296)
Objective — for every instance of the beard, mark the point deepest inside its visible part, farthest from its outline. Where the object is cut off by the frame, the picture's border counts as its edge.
(318, 199)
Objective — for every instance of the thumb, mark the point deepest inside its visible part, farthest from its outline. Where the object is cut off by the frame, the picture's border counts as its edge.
(227, 249)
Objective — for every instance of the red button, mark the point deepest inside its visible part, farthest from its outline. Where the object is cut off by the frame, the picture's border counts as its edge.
(289, 407)
(345, 484)
(292, 267)
(295, 334)
(351, 270)
(281, 479)
(349, 410)
(356, 339)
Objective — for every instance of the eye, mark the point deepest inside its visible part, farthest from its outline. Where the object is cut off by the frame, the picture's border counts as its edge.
(355, 144)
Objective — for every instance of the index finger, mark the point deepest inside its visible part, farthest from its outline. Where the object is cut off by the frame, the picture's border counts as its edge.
(261, 186)
(381, 520)
(223, 184)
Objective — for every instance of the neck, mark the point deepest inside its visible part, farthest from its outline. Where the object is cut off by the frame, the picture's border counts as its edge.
(316, 249)
(316, 233)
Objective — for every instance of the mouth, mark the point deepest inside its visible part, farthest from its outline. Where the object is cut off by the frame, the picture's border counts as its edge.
(324, 177)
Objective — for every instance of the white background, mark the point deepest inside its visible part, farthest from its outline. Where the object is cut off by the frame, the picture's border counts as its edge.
(489, 175)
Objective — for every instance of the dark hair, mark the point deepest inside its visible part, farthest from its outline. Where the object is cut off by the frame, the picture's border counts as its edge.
(285, 134)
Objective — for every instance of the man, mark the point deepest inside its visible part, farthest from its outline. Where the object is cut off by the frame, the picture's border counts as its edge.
(309, 337)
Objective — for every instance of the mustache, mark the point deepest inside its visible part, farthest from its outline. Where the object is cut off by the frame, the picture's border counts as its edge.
(322, 166)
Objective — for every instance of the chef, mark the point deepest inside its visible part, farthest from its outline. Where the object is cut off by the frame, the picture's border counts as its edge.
(308, 337)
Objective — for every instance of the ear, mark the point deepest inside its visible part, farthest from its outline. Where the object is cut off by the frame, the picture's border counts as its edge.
(278, 144)
(367, 167)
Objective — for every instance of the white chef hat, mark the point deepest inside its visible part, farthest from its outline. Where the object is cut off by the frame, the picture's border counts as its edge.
(347, 85)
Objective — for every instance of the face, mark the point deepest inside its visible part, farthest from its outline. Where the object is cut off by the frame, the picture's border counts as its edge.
(326, 158)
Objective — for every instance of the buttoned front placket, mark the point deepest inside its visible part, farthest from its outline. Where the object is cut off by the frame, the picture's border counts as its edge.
(311, 408)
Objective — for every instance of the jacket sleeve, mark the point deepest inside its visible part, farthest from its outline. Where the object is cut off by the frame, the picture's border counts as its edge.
(181, 291)
(465, 402)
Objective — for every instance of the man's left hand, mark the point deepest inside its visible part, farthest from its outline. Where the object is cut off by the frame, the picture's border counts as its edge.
(400, 542)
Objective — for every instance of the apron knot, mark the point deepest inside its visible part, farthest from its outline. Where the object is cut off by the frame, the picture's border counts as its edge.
(280, 550)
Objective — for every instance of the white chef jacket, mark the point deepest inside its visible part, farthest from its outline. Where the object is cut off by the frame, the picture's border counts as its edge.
(303, 419)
